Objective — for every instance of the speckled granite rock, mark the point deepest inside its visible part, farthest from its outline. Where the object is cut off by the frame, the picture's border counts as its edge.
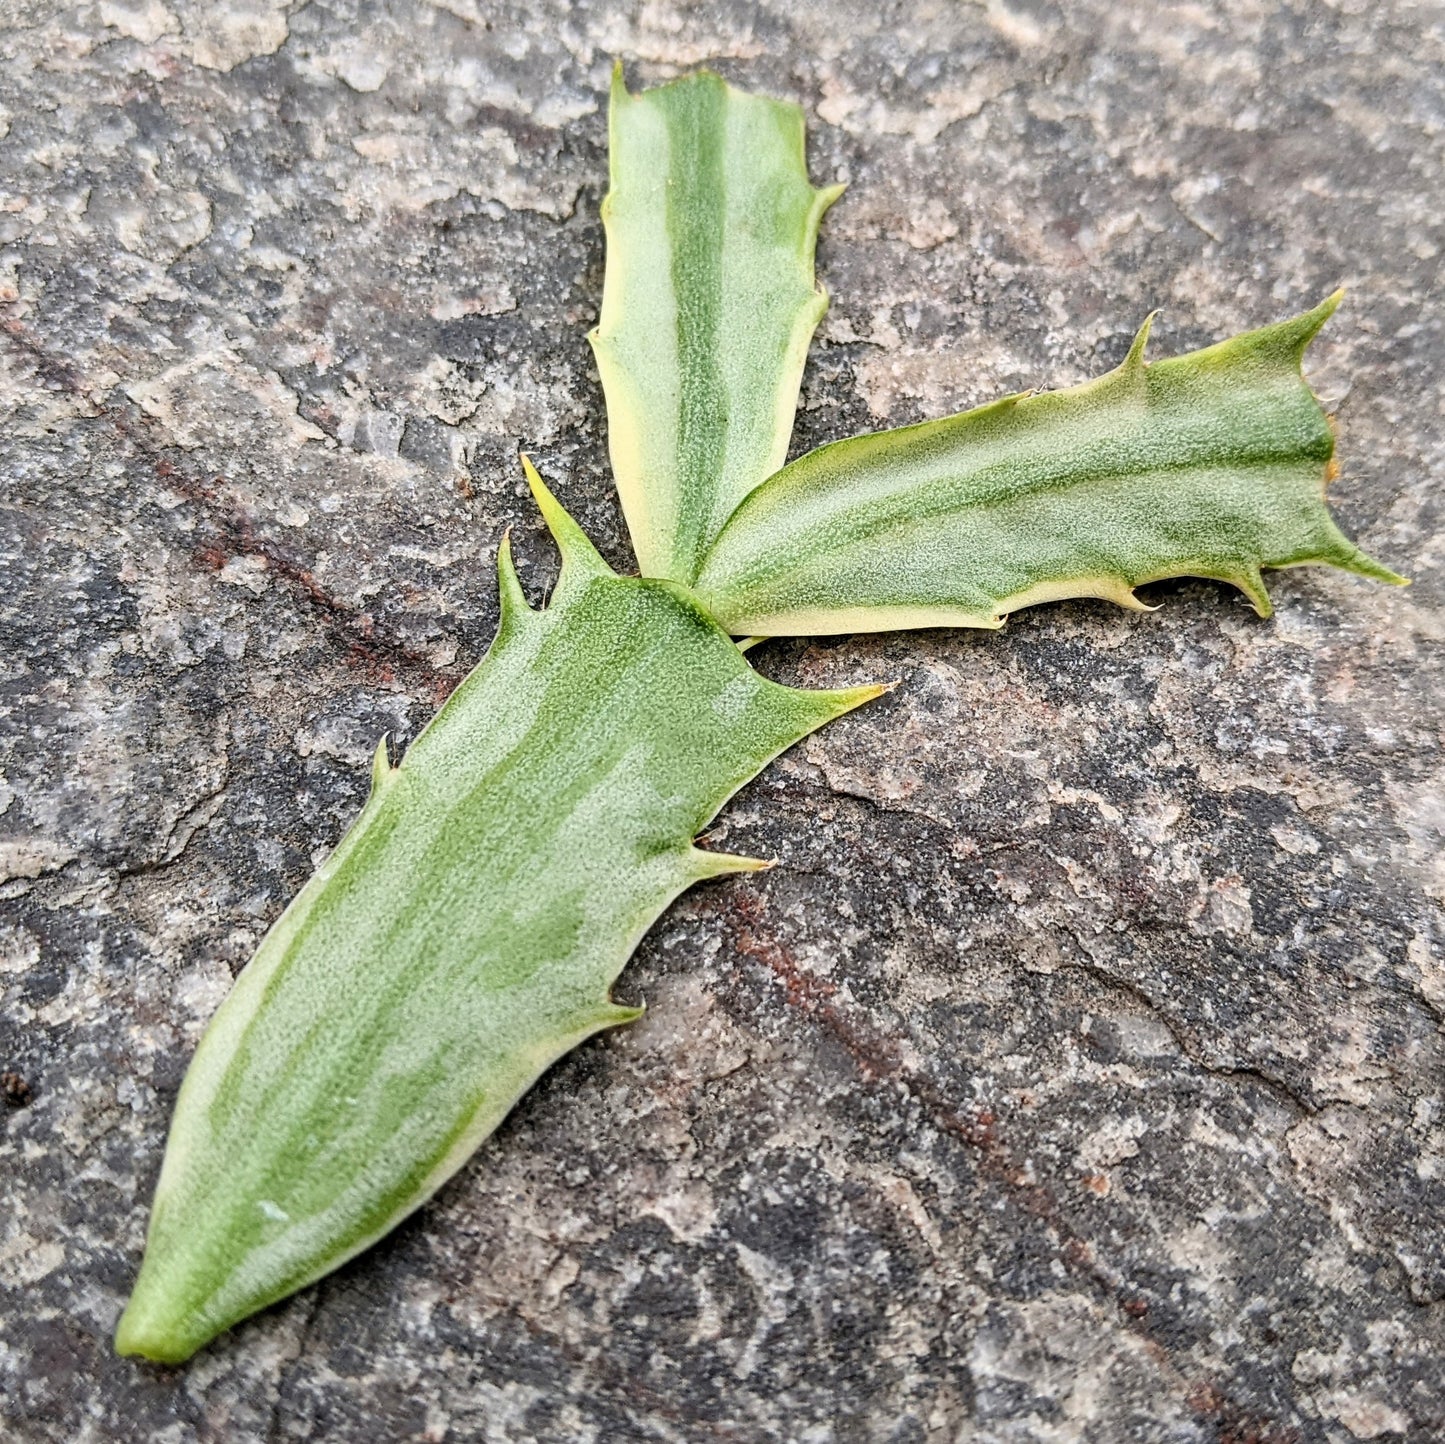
(1078, 1075)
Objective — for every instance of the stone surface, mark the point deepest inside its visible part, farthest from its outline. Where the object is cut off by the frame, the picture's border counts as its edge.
(1078, 1075)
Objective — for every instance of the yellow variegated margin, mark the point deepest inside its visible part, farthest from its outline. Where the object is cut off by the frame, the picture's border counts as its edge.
(708, 305)
(1211, 464)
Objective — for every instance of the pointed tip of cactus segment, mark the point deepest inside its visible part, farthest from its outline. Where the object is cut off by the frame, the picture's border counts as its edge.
(1135, 359)
(578, 553)
(381, 768)
(1303, 329)
(1251, 583)
(511, 597)
(1364, 565)
(614, 1015)
(1289, 339)
(847, 698)
(1328, 306)
(704, 864)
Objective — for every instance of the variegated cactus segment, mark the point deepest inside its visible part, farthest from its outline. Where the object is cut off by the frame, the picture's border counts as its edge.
(708, 306)
(462, 937)
(1211, 464)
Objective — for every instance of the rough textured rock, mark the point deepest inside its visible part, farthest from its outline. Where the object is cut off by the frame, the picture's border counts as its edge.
(1078, 1075)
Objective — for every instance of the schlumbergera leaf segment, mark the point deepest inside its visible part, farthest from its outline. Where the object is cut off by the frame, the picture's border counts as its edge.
(467, 930)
